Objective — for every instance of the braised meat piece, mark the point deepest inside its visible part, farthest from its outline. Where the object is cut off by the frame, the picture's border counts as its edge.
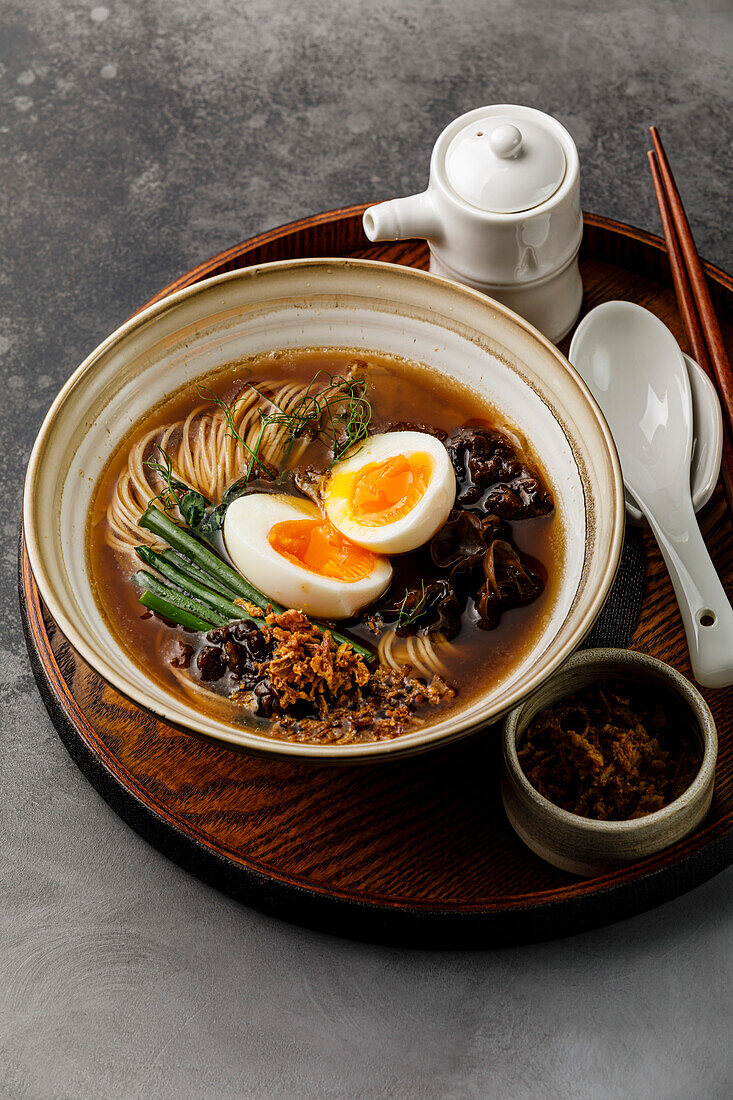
(182, 654)
(416, 426)
(483, 563)
(434, 608)
(237, 649)
(461, 543)
(266, 702)
(308, 480)
(512, 580)
(250, 637)
(493, 479)
(211, 663)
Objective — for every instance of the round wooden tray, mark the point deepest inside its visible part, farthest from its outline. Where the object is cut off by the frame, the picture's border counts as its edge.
(415, 852)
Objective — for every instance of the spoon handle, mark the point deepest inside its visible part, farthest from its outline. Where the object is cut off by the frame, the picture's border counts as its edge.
(706, 612)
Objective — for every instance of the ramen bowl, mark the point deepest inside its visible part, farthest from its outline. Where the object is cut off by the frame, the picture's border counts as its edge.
(376, 307)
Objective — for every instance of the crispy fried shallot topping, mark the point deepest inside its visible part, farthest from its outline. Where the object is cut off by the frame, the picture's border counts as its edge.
(387, 708)
(613, 751)
(308, 667)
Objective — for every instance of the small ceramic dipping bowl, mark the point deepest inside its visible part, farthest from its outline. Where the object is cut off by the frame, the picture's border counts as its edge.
(583, 845)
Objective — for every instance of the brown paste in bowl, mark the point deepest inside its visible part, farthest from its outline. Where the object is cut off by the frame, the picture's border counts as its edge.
(614, 751)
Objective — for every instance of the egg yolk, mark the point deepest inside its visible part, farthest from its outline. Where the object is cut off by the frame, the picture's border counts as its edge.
(383, 492)
(315, 545)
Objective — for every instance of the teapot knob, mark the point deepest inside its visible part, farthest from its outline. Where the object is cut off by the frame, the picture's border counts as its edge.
(505, 141)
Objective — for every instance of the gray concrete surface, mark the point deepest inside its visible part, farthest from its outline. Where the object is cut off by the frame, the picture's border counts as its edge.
(137, 138)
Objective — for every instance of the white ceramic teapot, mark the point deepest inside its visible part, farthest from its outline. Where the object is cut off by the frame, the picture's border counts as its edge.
(501, 213)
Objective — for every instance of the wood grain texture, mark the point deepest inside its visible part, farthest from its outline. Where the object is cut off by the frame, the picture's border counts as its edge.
(417, 851)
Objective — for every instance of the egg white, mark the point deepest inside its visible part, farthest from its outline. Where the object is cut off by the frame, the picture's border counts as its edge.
(247, 524)
(421, 522)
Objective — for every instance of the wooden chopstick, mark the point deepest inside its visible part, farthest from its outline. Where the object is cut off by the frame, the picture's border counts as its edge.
(683, 288)
(688, 305)
(701, 293)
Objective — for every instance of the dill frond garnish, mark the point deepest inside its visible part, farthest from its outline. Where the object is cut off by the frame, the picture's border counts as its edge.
(229, 411)
(191, 504)
(332, 409)
(338, 414)
(408, 616)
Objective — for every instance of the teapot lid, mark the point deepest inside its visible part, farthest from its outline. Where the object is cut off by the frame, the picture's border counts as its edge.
(504, 164)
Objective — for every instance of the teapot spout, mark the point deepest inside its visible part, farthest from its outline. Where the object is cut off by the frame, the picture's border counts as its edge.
(398, 219)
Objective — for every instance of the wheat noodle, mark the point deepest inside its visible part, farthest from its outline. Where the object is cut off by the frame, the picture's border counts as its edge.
(205, 455)
(423, 654)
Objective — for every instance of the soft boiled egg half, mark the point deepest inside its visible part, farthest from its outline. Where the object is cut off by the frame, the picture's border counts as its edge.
(392, 493)
(293, 554)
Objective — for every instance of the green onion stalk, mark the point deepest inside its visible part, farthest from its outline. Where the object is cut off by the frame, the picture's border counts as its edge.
(205, 585)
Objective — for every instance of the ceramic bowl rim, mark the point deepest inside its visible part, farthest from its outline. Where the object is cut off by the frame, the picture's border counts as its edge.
(604, 658)
(415, 741)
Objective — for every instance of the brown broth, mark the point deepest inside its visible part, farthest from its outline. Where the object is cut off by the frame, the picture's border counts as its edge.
(398, 390)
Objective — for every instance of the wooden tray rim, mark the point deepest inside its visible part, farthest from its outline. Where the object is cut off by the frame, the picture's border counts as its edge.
(707, 852)
(216, 264)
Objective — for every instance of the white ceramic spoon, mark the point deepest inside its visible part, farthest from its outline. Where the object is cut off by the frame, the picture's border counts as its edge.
(707, 442)
(635, 370)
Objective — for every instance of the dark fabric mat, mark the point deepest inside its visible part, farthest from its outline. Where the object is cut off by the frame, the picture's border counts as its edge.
(617, 621)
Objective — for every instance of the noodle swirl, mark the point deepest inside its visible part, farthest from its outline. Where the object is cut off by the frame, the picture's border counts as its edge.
(205, 454)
